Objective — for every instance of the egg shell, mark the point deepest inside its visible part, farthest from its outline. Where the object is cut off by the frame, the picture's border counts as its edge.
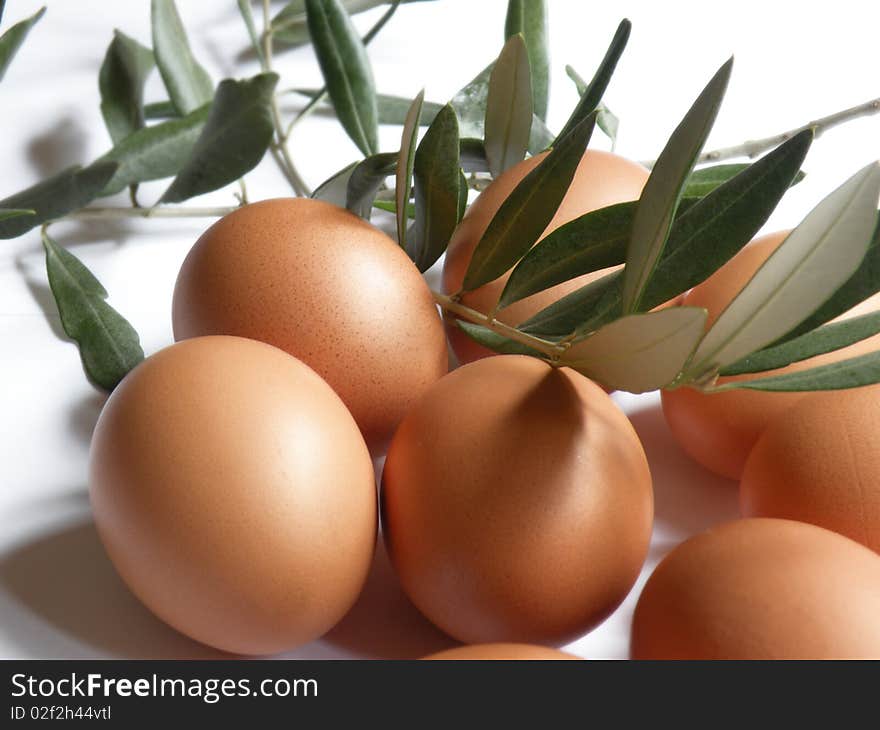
(719, 430)
(761, 589)
(330, 289)
(501, 652)
(517, 503)
(234, 494)
(601, 179)
(820, 463)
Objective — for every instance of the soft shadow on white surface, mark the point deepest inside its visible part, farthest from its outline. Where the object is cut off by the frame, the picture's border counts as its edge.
(58, 147)
(84, 415)
(65, 600)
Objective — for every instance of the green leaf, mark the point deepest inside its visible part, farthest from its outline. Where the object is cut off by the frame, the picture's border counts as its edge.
(527, 211)
(13, 39)
(470, 104)
(639, 352)
(392, 109)
(588, 243)
(437, 176)
(156, 152)
(508, 107)
(590, 99)
(864, 283)
(188, 84)
(605, 119)
(663, 190)
(247, 15)
(55, 197)
(389, 206)
(365, 180)
(540, 137)
(810, 265)
(462, 195)
(290, 25)
(824, 339)
(335, 188)
(703, 181)
(6, 213)
(347, 73)
(570, 313)
(403, 184)
(108, 345)
(235, 138)
(852, 373)
(127, 64)
(529, 18)
(495, 342)
(160, 110)
(716, 227)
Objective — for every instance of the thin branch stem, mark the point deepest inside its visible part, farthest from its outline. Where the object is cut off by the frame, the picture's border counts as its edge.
(545, 347)
(113, 213)
(280, 149)
(755, 147)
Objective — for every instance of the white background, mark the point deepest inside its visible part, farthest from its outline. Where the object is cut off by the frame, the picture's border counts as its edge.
(59, 595)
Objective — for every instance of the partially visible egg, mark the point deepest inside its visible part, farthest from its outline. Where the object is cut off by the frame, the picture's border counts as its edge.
(517, 503)
(501, 652)
(330, 289)
(719, 430)
(820, 462)
(761, 589)
(601, 179)
(234, 494)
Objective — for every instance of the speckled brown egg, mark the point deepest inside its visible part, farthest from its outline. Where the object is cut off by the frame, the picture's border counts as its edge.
(234, 494)
(330, 289)
(601, 179)
(719, 430)
(761, 589)
(820, 462)
(501, 652)
(517, 503)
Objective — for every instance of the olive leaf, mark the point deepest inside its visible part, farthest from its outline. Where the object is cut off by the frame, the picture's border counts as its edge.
(462, 194)
(852, 373)
(234, 139)
(55, 197)
(335, 188)
(824, 339)
(703, 181)
(529, 18)
(591, 97)
(437, 180)
(575, 312)
(247, 15)
(346, 70)
(391, 109)
(108, 345)
(508, 107)
(528, 210)
(639, 352)
(588, 243)
(403, 183)
(606, 120)
(810, 265)
(494, 341)
(6, 213)
(160, 110)
(155, 152)
(663, 190)
(864, 283)
(389, 206)
(713, 229)
(13, 39)
(121, 81)
(365, 180)
(189, 85)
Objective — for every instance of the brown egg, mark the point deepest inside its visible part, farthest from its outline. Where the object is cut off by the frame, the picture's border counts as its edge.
(501, 652)
(719, 430)
(820, 462)
(602, 179)
(330, 289)
(234, 494)
(761, 589)
(517, 503)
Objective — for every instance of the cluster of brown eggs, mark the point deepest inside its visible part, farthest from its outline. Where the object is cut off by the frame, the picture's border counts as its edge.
(234, 489)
